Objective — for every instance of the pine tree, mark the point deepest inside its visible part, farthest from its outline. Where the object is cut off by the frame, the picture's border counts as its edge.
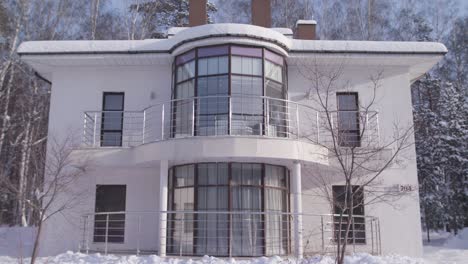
(432, 188)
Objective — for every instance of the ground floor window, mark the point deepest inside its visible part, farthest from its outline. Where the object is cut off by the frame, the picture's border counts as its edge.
(344, 204)
(228, 209)
(109, 227)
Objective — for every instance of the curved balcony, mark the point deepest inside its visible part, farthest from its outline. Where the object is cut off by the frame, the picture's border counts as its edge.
(221, 116)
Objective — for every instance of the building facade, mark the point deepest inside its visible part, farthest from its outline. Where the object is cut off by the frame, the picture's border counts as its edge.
(212, 141)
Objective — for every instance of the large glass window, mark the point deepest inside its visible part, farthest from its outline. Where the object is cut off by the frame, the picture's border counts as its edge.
(258, 192)
(223, 90)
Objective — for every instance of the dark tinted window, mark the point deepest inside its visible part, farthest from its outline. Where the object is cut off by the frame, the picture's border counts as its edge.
(357, 231)
(112, 119)
(348, 120)
(110, 198)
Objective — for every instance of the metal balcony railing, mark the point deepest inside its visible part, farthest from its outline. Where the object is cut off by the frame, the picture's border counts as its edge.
(254, 116)
(223, 233)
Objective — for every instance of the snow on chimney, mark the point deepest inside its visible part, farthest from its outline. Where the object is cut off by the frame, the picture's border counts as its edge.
(261, 13)
(305, 29)
(197, 12)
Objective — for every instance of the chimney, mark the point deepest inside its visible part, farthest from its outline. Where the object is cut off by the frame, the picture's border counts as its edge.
(261, 13)
(197, 13)
(305, 29)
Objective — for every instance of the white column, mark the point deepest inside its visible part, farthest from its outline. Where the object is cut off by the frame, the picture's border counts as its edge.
(297, 208)
(163, 190)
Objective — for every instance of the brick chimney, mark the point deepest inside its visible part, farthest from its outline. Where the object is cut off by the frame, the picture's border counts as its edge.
(197, 13)
(261, 13)
(305, 29)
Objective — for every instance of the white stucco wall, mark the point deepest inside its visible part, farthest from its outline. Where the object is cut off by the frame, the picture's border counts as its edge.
(78, 89)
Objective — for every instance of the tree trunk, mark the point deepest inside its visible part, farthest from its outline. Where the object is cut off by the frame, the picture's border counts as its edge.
(3, 74)
(37, 239)
(22, 174)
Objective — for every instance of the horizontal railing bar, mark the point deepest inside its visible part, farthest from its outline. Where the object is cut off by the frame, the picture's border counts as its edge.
(224, 213)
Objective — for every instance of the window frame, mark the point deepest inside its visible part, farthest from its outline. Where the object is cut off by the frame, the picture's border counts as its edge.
(230, 186)
(104, 111)
(342, 133)
(230, 55)
(361, 207)
(123, 216)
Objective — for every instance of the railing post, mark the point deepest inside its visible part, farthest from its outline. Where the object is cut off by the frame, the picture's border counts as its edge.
(323, 235)
(162, 122)
(380, 238)
(85, 125)
(372, 235)
(318, 127)
(94, 130)
(297, 121)
(354, 234)
(366, 133)
(88, 221)
(138, 235)
(81, 240)
(230, 115)
(193, 117)
(180, 234)
(267, 117)
(107, 233)
(144, 127)
(230, 234)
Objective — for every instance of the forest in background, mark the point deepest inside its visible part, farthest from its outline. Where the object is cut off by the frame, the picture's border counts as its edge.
(439, 97)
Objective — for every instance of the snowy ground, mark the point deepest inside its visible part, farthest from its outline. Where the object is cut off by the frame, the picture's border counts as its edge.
(446, 248)
(443, 249)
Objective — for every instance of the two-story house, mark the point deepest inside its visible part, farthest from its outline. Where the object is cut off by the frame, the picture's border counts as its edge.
(208, 142)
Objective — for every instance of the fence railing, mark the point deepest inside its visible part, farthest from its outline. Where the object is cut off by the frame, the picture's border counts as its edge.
(222, 233)
(229, 116)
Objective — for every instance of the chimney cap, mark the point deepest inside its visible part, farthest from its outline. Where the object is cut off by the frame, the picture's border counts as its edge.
(306, 22)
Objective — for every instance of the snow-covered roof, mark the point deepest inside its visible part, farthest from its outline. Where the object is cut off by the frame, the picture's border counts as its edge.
(384, 47)
(284, 31)
(174, 30)
(185, 35)
(93, 46)
(45, 55)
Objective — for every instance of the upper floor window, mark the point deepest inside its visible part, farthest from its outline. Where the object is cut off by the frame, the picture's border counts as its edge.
(221, 90)
(112, 119)
(348, 119)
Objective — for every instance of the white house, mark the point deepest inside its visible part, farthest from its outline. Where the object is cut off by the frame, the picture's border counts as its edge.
(212, 141)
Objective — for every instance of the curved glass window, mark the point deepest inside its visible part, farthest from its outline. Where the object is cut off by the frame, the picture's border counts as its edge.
(239, 207)
(229, 86)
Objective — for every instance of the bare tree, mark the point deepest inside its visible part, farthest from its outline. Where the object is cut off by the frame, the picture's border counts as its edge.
(56, 191)
(352, 144)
